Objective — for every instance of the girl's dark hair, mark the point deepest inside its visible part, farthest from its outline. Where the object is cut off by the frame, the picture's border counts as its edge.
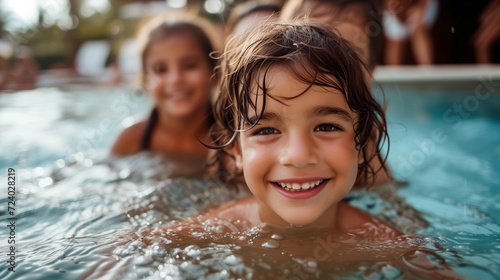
(171, 25)
(314, 54)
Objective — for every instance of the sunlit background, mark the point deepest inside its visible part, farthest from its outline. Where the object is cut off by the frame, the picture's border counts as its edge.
(85, 36)
(24, 14)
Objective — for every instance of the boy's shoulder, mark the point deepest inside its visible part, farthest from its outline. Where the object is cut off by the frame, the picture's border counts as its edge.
(241, 209)
(352, 219)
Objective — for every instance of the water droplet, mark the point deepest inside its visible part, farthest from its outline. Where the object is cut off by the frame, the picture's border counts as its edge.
(38, 171)
(121, 252)
(371, 275)
(192, 251)
(272, 244)
(390, 272)
(419, 259)
(88, 162)
(45, 182)
(136, 245)
(277, 236)
(184, 265)
(350, 238)
(144, 260)
(312, 263)
(124, 173)
(60, 163)
(233, 260)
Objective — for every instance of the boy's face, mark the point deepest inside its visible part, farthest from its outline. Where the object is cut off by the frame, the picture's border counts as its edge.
(300, 160)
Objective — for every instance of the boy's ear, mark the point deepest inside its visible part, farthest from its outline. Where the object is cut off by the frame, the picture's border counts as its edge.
(238, 157)
(361, 155)
(361, 158)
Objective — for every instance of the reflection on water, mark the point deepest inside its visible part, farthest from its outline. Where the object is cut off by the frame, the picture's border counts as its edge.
(85, 215)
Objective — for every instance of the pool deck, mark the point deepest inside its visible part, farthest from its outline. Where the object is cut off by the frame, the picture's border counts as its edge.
(458, 73)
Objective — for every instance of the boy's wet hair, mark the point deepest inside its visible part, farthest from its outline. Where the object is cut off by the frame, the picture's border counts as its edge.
(315, 55)
(372, 13)
(164, 27)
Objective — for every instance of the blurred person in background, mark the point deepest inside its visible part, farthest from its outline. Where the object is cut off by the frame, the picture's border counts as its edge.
(488, 32)
(409, 21)
(5, 71)
(467, 32)
(177, 74)
(248, 15)
(25, 71)
(358, 21)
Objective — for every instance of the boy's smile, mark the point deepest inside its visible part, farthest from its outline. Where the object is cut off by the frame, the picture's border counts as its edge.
(300, 160)
(299, 190)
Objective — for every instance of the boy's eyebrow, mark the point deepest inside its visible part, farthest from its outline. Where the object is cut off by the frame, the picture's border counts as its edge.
(331, 110)
(266, 116)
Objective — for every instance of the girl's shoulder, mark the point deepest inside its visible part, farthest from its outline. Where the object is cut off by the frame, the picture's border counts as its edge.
(128, 142)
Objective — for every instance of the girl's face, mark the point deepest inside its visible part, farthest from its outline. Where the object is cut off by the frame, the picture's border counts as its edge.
(178, 76)
(350, 23)
(300, 160)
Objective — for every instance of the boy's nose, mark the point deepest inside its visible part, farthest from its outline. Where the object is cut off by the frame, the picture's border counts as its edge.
(299, 151)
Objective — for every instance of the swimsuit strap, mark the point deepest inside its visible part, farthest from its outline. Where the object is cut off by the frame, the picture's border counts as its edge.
(148, 131)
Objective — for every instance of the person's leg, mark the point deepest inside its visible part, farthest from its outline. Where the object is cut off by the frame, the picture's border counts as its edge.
(421, 18)
(422, 47)
(396, 34)
(394, 52)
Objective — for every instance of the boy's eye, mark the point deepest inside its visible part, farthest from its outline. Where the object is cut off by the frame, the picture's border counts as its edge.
(327, 128)
(266, 131)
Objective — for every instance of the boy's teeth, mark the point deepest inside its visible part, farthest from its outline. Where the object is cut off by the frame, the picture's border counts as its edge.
(299, 186)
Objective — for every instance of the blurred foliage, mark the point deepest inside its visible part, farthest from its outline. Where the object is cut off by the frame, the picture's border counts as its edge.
(53, 45)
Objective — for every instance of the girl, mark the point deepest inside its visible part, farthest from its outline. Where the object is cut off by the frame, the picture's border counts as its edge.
(297, 114)
(176, 73)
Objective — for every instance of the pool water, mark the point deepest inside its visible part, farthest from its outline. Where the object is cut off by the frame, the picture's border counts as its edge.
(81, 214)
